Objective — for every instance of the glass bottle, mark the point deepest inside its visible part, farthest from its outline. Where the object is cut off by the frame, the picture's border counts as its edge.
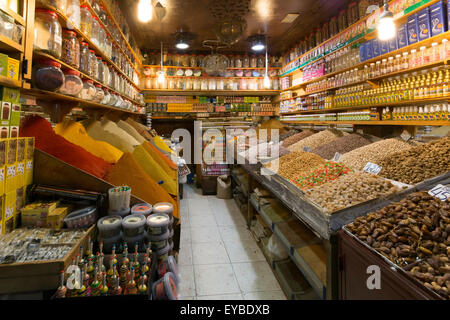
(413, 59)
(246, 62)
(405, 61)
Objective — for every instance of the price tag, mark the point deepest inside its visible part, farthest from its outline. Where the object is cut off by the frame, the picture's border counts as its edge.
(20, 168)
(337, 157)
(441, 192)
(372, 168)
(405, 135)
(307, 149)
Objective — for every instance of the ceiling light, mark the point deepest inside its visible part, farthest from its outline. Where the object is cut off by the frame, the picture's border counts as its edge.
(145, 10)
(386, 26)
(258, 42)
(182, 40)
(290, 17)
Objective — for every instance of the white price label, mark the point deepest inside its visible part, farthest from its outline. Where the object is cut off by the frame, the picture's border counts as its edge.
(2, 174)
(372, 168)
(20, 168)
(441, 192)
(9, 213)
(307, 149)
(337, 157)
(30, 165)
(11, 171)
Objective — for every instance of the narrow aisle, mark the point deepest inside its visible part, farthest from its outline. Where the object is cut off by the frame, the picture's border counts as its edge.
(219, 259)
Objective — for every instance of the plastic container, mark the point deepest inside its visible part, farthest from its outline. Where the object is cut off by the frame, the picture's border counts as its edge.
(163, 254)
(123, 213)
(119, 198)
(157, 223)
(47, 75)
(132, 241)
(142, 208)
(134, 225)
(72, 83)
(159, 241)
(165, 288)
(170, 265)
(82, 218)
(88, 92)
(47, 33)
(163, 207)
(110, 226)
(70, 52)
(109, 242)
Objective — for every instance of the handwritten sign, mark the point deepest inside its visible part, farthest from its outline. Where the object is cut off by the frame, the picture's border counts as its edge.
(372, 168)
(441, 192)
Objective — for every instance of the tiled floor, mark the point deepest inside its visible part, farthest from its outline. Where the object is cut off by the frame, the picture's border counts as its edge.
(219, 259)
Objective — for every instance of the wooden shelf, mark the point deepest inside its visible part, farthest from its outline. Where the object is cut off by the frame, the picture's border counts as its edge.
(374, 123)
(53, 96)
(17, 17)
(92, 45)
(212, 93)
(7, 44)
(8, 82)
(83, 75)
(370, 35)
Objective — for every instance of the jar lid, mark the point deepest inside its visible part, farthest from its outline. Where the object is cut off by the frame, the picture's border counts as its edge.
(84, 6)
(49, 62)
(51, 12)
(84, 43)
(92, 51)
(99, 58)
(70, 32)
(71, 72)
(88, 80)
(98, 85)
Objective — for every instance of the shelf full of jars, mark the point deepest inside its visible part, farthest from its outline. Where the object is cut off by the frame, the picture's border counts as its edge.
(346, 29)
(187, 72)
(84, 61)
(196, 107)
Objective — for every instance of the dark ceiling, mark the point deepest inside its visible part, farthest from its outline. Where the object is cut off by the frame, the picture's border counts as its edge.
(263, 16)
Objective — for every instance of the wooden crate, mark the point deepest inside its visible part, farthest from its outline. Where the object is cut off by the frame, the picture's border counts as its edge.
(38, 276)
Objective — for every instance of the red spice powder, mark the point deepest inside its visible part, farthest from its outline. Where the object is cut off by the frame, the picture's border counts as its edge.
(48, 141)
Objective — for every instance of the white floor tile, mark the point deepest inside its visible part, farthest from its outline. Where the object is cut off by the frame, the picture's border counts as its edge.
(185, 255)
(209, 253)
(215, 279)
(265, 295)
(204, 220)
(185, 235)
(230, 219)
(187, 283)
(255, 276)
(202, 234)
(234, 296)
(235, 233)
(244, 251)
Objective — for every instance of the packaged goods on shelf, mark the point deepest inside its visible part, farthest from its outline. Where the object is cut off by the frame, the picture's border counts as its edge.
(349, 190)
(411, 236)
(417, 164)
(437, 112)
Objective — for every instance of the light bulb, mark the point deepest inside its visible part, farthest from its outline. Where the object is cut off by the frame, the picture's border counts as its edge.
(258, 47)
(267, 82)
(161, 77)
(145, 10)
(386, 28)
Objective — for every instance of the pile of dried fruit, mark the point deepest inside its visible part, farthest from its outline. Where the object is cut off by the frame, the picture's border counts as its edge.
(288, 134)
(358, 158)
(294, 163)
(419, 163)
(349, 190)
(417, 227)
(328, 172)
(341, 145)
(318, 139)
(297, 137)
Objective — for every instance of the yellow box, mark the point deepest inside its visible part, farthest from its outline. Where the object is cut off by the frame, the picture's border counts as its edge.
(20, 174)
(28, 172)
(55, 219)
(11, 165)
(13, 68)
(11, 151)
(2, 204)
(36, 213)
(29, 148)
(8, 212)
(10, 179)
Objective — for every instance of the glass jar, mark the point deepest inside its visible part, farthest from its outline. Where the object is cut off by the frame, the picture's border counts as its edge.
(101, 39)
(196, 84)
(47, 33)
(88, 92)
(84, 58)
(413, 59)
(405, 61)
(192, 61)
(47, 75)
(253, 62)
(261, 62)
(435, 52)
(119, 102)
(102, 15)
(107, 97)
(178, 61)
(238, 62)
(390, 65)
(231, 60)
(100, 94)
(113, 99)
(212, 84)
(72, 83)
(398, 63)
(100, 73)
(246, 62)
(188, 84)
(445, 49)
(204, 84)
(93, 64)
(85, 21)
(61, 5)
(73, 14)
(220, 84)
(108, 47)
(70, 48)
(95, 31)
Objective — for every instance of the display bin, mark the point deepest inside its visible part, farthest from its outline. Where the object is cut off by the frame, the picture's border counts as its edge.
(38, 276)
(292, 281)
(396, 284)
(209, 185)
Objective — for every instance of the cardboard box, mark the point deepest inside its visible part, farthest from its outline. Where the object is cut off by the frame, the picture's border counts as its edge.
(412, 29)
(423, 24)
(437, 18)
(402, 36)
(3, 64)
(29, 152)
(13, 68)
(393, 44)
(9, 212)
(36, 213)
(14, 131)
(20, 174)
(376, 48)
(55, 219)
(5, 115)
(11, 165)
(15, 115)
(384, 47)
(29, 172)
(362, 52)
(21, 149)
(369, 50)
